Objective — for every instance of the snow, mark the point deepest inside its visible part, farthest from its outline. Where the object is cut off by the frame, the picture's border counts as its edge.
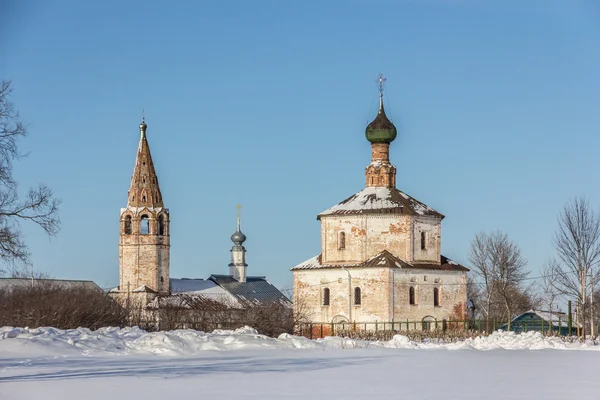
(376, 198)
(71, 364)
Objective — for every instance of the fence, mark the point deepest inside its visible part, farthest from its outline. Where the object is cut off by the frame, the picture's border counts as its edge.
(423, 329)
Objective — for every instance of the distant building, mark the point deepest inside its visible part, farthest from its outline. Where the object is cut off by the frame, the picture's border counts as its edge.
(8, 283)
(144, 256)
(542, 321)
(380, 253)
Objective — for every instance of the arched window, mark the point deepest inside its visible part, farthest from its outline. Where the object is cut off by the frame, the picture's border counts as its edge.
(357, 296)
(342, 241)
(411, 296)
(436, 297)
(143, 198)
(161, 225)
(145, 225)
(423, 240)
(127, 227)
(326, 296)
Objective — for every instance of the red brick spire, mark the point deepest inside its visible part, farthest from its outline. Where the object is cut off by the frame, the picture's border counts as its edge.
(144, 190)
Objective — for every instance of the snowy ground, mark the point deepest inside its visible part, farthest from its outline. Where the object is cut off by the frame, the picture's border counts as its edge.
(48, 363)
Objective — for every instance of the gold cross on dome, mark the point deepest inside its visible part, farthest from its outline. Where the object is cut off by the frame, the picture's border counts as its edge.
(381, 80)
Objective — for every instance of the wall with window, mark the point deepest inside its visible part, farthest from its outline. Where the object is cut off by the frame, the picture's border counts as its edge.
(436, 293)
(356, 238)
(324, 295)
(426, 239)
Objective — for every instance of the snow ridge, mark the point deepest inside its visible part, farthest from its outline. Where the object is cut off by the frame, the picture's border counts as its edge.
(187, 342)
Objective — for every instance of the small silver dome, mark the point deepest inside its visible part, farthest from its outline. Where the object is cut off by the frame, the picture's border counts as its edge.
(238, 238)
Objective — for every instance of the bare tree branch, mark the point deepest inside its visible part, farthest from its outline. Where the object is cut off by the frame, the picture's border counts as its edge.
(39, 204)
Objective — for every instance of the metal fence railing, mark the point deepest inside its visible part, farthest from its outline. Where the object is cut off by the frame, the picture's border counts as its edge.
(434, 328)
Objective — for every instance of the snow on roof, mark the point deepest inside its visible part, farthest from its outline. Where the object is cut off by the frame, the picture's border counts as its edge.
(383, 259)
(557, 318)
(381, 200)
(205, 287)
(63, 283)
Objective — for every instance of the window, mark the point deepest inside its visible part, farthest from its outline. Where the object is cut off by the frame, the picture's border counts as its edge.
(357, 296)
(162, 279)
(436, 297)
(342, 241)
(127, 225)
(144, 225)
(423, 240)
(411, 296)
(326, 296)
(143, 198)
(161, 225)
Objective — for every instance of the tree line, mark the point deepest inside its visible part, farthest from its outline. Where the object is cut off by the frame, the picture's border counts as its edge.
(501, 287)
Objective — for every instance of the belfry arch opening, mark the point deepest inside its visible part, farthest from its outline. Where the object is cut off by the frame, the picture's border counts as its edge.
(162, 226)
(127, 225)
(145, 225)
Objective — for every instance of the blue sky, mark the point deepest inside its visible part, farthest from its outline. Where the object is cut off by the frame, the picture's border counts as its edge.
(265, 104)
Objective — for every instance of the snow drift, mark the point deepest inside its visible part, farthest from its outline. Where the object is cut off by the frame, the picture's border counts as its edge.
(187, 342)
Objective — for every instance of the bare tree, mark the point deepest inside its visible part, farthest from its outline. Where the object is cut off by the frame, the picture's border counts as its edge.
(508, 271)
(498, 263)
(577, 242)
(39, 204)
(484, 270)
(549, 294)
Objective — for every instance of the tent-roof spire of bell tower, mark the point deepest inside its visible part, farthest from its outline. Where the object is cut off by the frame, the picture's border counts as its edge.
(144, 190)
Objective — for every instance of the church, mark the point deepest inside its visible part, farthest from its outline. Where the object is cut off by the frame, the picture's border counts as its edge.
(144, 256)
(380, 255)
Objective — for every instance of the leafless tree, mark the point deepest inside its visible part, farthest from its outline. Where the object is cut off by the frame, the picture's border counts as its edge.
(509, 270)
(549, 294)
(484, 270)
(577, 242)
(498, 263)
(39, 204)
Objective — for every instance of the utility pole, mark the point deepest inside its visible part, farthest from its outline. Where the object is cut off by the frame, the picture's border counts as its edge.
(349, 295)
(592, 304)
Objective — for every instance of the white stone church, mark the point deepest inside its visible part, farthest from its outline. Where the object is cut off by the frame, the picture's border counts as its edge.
(380, 253)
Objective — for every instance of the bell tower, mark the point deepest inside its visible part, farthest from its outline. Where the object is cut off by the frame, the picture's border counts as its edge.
(144, 246)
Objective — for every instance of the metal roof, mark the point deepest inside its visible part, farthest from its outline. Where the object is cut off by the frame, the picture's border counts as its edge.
(64, 283)
(384, 259)
(380, 200)
(255, 290)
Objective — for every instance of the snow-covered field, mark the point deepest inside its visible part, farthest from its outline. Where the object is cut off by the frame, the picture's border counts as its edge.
(80, 364)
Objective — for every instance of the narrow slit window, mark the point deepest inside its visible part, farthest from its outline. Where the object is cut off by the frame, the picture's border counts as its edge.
(423, 240)
(326, 296)
(436, 297)
(411, 296)
(342, 241)
(357, 296)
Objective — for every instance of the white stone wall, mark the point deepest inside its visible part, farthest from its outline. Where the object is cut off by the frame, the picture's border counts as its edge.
(381, 300)
(430, 227)
(365, 237)
(374, 283)
(452, 294)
